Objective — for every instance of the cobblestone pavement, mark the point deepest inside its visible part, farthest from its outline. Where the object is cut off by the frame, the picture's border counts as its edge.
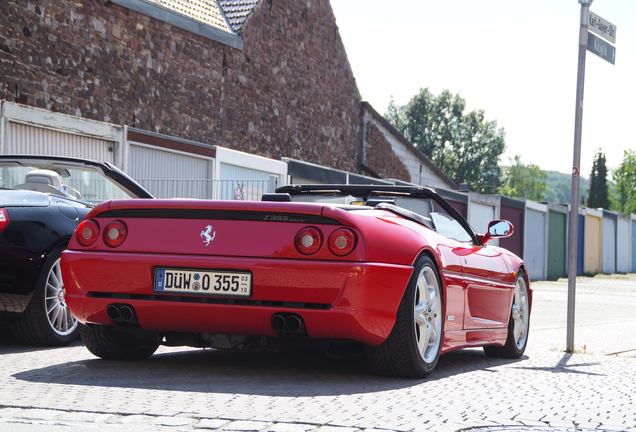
(67, 389)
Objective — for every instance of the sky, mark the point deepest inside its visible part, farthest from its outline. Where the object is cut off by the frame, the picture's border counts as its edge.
(516, 60)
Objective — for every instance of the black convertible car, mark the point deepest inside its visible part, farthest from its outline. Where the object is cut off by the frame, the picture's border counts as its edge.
(42, 200)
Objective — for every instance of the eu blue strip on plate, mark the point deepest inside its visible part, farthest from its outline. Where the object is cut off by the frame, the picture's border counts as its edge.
(160, 277)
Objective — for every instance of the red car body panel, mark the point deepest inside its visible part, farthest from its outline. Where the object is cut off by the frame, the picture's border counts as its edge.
(361, 296)
(353, 297)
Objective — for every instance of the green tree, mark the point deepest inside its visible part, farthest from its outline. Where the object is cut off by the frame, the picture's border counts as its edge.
(395, 115)
(559, 189)
(598, 195)
(463, 145)
(524, 181)
(623, 196)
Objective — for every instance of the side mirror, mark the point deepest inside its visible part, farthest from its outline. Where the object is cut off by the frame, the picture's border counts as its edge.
(497, 229)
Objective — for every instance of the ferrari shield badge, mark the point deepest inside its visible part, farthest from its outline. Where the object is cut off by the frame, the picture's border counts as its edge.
(207, 235)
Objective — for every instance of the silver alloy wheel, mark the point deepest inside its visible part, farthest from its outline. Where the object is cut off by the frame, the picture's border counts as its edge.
(520, 313)
(428, 314)
(57, 312)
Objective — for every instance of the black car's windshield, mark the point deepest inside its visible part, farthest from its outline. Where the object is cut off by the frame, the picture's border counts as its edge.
(81, 184)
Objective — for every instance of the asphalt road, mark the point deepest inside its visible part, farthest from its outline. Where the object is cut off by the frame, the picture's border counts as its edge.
(178, 389)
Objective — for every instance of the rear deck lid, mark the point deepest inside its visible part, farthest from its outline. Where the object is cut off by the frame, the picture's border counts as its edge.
(21, 198)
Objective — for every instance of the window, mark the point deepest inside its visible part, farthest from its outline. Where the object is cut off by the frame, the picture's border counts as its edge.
(449, 227)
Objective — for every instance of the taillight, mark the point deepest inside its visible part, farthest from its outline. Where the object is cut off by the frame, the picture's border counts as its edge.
(308, 240)
(87, 232)
(115, 233)
(342, 241)
(4, 219)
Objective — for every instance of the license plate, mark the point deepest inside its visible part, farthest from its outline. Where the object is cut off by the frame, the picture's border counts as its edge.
(203, 282)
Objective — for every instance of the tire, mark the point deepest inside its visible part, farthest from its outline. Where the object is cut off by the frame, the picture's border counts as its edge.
(47, 319)
(518, 324)
(111, 343)
(413, 347)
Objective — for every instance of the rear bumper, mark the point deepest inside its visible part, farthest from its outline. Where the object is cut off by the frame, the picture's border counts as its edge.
(337, 300)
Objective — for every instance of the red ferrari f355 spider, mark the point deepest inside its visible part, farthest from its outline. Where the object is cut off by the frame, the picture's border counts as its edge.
(393, 269)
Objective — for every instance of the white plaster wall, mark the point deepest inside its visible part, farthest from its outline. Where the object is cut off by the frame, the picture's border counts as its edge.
(420, 174)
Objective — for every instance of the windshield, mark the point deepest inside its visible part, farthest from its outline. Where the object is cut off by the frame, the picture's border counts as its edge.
(422, 210)
(83, 185)
(421, 206)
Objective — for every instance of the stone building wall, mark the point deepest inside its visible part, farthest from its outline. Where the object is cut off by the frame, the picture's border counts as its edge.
(289, 92)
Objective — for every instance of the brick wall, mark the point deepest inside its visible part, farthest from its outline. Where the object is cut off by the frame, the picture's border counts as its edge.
(289, 92)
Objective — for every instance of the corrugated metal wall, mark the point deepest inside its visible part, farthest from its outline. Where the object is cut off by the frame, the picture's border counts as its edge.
(633, 269)
(480, 216)
(608, 247)
(622, 245)
(458, 200)
(167, 174)
(459, 206)
(556, 244)
(592, 244)
(243, 184)
(580, 246)
(233, 172)
(514, 243)
(26, 139)
(534, 244)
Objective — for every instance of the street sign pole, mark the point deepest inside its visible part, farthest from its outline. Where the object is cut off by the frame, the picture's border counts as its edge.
(576, 171)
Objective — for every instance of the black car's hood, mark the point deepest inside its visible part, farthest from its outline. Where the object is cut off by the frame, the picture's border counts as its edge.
(22, 198)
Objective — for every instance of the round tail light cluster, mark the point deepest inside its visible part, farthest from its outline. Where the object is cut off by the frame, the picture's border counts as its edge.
(308, 240)
(341, 242)
(88, 230)
(115, 233)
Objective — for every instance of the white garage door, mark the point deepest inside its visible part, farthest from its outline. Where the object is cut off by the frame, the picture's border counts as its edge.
(608, 246)
(34, 140)
(535, 244)
(169, 173)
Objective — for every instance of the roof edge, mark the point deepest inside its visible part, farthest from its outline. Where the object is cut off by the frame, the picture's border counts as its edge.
(183, 22)
(227, 22)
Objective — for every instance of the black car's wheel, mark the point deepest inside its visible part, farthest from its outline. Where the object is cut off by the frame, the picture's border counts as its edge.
(518, 324)
(47, 319)
(412, 349)
(112, 343)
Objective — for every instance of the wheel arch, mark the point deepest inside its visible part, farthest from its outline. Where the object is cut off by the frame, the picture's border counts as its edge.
(428, 251)
(524, 268)
(62, 242)
(403, 354)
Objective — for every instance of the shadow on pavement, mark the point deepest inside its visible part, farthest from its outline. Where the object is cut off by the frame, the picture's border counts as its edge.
(10, 345)
(293, 374)
(564, 367)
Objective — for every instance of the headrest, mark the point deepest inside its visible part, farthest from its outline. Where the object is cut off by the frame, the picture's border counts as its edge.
(43, 176)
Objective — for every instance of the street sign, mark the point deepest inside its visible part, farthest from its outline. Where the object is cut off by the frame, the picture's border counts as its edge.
(602, 28)
(601, 48)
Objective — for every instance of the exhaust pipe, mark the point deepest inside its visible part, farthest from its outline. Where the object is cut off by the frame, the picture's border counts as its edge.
(278, 323)
(113, 312)
(288, 324)
(295, 324)
(121, 313)
(126, 313)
